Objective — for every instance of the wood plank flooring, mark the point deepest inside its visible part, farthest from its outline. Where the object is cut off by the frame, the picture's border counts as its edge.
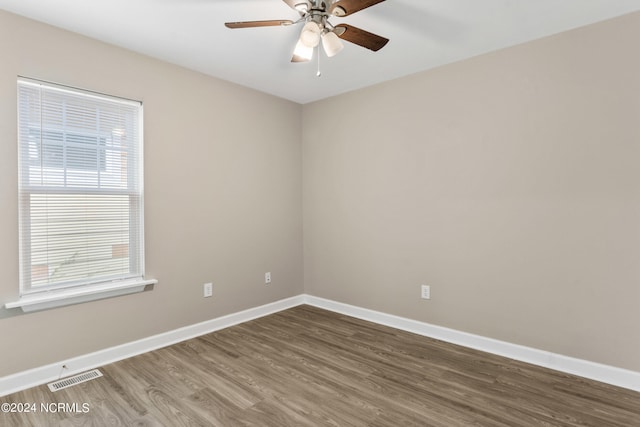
(310, 367)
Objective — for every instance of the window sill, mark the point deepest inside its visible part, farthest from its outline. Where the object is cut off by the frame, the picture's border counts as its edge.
(62, 297)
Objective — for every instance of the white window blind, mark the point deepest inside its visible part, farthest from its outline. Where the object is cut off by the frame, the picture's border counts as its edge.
(80, 188)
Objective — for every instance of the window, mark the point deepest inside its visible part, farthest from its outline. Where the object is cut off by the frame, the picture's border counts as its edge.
(80, 191)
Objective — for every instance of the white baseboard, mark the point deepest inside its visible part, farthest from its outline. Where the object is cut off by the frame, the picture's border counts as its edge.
(44, 374)
(41, 375)
(583, 368)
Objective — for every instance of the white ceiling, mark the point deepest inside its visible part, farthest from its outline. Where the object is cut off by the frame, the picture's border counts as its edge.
(423, 34)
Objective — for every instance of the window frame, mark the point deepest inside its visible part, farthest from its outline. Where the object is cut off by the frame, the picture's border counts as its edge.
(79, 290)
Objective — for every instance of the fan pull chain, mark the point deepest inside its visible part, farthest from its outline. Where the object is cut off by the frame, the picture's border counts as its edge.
(318, 74)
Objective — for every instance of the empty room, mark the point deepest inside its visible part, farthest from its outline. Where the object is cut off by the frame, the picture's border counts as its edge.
(320, 213)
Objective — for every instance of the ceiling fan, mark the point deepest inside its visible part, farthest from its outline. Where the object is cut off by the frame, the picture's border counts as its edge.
(315, 14)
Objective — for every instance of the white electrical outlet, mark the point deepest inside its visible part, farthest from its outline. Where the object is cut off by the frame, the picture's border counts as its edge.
(425, 292)
(208, 290)
(267, 278)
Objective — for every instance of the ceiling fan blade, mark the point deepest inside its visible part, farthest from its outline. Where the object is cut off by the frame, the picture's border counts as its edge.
(347, 7)
(360, 37)
(252, 24)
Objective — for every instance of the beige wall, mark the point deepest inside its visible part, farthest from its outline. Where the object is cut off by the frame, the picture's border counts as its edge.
(509, 183)
(223, 196)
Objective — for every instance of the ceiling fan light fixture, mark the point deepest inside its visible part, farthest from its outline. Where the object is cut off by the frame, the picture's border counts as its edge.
(338, 11)
(310, 35)
(331, 43)
(302, 53)
(302, 7)
(315, 15)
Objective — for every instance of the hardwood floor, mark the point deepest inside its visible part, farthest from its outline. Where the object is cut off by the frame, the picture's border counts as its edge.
(310, 367)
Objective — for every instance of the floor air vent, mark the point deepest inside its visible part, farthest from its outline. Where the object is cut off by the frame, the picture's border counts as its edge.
(76, 379)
